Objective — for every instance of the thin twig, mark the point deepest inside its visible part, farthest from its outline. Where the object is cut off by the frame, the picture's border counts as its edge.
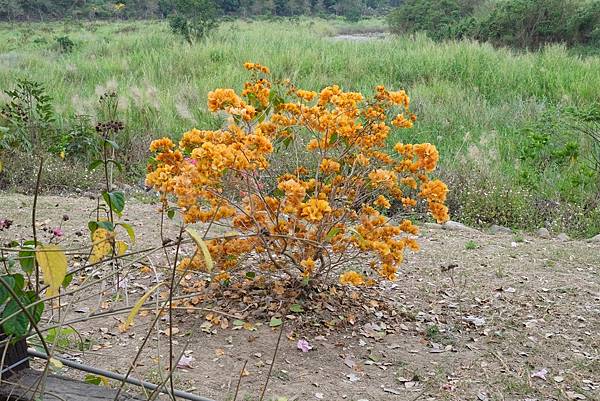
(262, 395)
(237, 388)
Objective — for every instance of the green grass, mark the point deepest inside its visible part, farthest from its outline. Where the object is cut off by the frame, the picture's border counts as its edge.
(471, 245)
(471, 99)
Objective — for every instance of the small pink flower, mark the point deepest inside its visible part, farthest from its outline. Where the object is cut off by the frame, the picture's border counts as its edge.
(57, 232)
(191, 161)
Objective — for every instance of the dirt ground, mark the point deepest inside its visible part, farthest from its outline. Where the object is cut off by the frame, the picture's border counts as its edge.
(473, 316)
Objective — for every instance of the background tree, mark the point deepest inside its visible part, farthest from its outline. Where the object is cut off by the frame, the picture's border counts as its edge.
(194, 19)
(435, 17)
(10, 10)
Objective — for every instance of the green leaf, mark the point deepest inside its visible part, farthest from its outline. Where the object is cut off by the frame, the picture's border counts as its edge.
(94, 225)
(238, 322)
(19, 282)
(296, 308)
(17, 325)
(275, 322)
(332, 233)
(4, 293)
(92, 379)
(60, 336)
(275, 99)
(333, 138)
(37, 310)
(26, 259)
(250, 275)
(115, 200)
(93, 165)
(129, 230)
(67, 280)
(171, 213)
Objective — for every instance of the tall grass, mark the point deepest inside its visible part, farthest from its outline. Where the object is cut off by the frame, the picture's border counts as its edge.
(471, 99)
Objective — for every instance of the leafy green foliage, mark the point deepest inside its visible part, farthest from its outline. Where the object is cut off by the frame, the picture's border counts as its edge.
(514, 23)
(13, 297)
(78, 139)
(145, 9)
(65, 44)
(555, 146)
(61, 336)
(27, 120)
(527, 23)
(435, 17)
(115, 200)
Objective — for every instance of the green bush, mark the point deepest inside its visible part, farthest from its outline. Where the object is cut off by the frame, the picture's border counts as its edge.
(527, 23)
(585, 23)
(65, 44)
(554, 147)
(27, 120)
(435, 17)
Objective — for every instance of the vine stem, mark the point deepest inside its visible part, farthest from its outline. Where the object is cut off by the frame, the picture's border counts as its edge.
(33, 219)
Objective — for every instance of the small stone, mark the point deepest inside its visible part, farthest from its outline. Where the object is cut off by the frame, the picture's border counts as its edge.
(563, 237)
(496, 229)
(456, 226)
(543, 233)
(433, 226)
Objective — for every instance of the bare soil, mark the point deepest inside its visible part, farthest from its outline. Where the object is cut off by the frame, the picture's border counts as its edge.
(510, 318)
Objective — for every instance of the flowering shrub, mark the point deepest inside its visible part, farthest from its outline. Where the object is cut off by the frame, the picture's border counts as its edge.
(313, 175)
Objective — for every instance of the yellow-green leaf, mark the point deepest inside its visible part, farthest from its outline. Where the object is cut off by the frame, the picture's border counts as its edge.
(136, 309)
(53, 262)
(56, 363)
(208, 260)
(121, 247)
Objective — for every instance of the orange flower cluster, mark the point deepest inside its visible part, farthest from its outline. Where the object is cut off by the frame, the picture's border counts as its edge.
(313, 179)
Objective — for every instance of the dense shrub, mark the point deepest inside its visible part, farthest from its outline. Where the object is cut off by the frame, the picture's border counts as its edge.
(436, 17)
(304, 216)
(585, 23)
(526, 23)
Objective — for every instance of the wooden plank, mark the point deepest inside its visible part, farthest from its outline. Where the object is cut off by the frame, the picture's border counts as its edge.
(21, 386)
